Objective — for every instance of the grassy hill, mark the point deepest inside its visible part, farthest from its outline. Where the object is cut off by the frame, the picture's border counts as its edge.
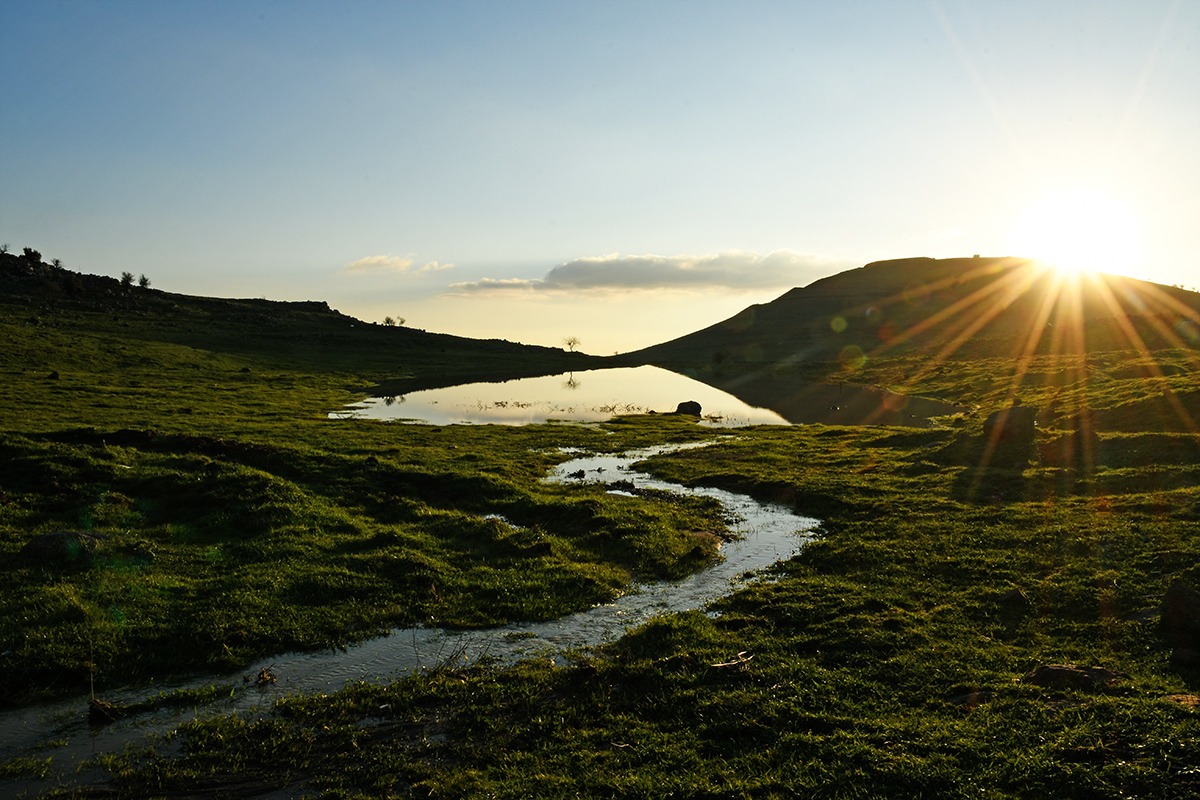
(246, 333)
(975, 307)
(948, 330)
(977, 617)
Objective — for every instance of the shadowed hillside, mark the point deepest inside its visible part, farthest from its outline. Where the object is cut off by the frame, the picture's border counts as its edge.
(306, 334)
(970, 307)
(796, 353)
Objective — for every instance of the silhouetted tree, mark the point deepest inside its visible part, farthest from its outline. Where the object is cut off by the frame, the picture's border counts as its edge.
(389, 321)
(4, 247)
(571, 342)
(29, 254)
(127, 279)
(144, 282)
(57, 263)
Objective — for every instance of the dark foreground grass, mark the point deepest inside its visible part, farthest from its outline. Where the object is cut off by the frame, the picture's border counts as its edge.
(887, 660)
(209, 552)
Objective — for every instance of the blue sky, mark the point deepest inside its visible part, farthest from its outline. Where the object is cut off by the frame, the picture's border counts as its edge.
(623, 172)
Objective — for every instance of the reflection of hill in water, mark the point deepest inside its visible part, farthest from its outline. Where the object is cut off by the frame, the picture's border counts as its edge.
(803, 402)
(584, 396)
(598, 394)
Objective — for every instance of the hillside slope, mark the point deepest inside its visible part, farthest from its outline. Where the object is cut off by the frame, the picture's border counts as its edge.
(974, 307)
(305, 335)
(805, 352)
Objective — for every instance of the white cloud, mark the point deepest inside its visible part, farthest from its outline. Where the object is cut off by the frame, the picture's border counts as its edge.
(381, 263)
(434, 266)
(485, 285)
(734, 270)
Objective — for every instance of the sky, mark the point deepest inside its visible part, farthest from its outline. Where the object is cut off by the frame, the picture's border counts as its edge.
(618, 172)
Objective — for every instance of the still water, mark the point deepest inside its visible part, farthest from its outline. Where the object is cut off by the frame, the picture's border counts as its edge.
(589, 396)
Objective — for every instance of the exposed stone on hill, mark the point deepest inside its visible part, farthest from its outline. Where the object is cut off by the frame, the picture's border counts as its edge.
(1180, 621)
(1181, 615)
(1014, 603)
(1070, 676)
(1014, 425)
(61, 547)
(1009, 435)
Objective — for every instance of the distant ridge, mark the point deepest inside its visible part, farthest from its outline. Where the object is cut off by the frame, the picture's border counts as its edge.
(800, 354)
(308, 332)
(975, 307)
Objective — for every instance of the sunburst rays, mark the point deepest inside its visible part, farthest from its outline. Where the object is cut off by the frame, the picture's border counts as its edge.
(1068, 314)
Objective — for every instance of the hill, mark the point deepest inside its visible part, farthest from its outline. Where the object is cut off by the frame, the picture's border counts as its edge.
(973, 307)
(806, 352)
(306, 335)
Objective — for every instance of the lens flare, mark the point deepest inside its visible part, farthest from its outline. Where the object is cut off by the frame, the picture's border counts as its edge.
(1078, 230)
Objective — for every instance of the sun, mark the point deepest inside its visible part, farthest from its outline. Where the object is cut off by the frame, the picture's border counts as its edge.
(1078, 230)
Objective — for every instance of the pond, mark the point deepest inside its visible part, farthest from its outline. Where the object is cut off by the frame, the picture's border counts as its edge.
(589, 396)
(767, 397)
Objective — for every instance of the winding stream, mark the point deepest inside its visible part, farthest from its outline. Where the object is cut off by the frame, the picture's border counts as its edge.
(767, 534)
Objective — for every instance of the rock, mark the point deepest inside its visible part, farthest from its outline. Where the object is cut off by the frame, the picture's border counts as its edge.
(1069, 676)
(970, 699)
(1008, 435)
(1184, 658)
(62, 547)
(1014, 425)
(1014, 602)
(1180, 616)
(690, 407)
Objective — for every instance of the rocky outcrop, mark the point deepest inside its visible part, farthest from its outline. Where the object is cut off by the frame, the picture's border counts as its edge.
(61, 548)
(1008, 435)
(1180, 621)
(1069, 676)
(1014, 425)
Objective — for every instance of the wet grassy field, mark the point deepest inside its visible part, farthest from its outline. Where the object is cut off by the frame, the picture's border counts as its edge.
(894, 657)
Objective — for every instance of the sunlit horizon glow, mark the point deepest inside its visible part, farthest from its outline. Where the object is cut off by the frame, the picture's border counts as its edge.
(1081, 230)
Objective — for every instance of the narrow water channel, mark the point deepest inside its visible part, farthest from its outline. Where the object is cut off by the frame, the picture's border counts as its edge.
(766, 534)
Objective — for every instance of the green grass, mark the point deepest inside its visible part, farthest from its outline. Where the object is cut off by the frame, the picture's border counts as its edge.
(883, 661)
(219, 550)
